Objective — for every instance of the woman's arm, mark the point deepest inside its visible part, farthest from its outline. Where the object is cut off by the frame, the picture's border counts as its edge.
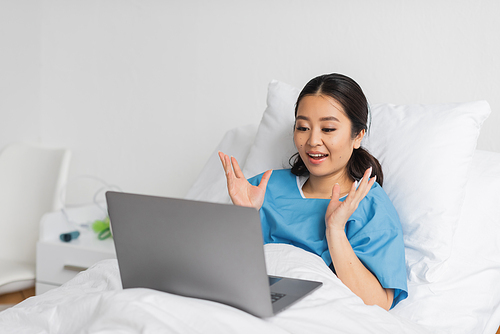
(354, 274)
(348, 267)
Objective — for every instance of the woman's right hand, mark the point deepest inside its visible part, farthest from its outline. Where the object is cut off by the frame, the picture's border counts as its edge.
(242, 193)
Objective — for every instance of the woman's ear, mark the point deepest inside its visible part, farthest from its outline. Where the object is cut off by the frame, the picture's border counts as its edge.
(358, 139)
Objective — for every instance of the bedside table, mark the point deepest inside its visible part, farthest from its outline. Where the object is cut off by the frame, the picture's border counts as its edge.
(56, 261)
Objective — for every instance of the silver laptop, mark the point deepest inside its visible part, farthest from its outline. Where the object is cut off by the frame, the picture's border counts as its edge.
(198, 249)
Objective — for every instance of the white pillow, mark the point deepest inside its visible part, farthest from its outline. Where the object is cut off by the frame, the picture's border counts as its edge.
(474, 266)
(425, 152)
(273, 145)
(211, 185)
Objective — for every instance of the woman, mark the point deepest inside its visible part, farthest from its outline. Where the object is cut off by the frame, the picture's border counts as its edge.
(329, 202)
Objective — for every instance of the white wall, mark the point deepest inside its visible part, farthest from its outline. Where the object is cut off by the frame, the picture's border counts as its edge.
(20, 71)
(142, 91)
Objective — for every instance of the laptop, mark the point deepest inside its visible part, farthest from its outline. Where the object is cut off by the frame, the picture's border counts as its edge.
(198, 249)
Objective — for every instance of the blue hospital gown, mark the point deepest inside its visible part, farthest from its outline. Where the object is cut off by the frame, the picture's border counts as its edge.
(373, 230)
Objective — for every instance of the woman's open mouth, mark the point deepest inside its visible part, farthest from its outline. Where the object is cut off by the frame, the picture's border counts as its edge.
(317, 158)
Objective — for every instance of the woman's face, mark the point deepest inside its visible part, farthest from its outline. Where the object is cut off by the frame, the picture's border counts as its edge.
(323, 136)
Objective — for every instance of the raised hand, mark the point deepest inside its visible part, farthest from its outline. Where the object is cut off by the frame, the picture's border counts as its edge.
(338, 212)
(242, 193)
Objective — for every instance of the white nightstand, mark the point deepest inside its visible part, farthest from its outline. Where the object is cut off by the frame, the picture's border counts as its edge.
(56, 261)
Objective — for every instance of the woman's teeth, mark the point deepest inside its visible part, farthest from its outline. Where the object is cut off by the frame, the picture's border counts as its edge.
(317, 156)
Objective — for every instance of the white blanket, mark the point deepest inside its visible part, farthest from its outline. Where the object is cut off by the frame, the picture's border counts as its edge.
(94, 302)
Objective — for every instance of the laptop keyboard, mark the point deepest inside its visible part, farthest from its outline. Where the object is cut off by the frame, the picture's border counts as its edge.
(276, 296)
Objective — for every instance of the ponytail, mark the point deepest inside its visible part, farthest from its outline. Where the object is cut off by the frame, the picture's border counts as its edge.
(298, 166)
(360, 161)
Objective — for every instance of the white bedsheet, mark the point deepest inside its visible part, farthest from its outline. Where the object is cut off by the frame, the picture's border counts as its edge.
(94, 302)
(465, 300)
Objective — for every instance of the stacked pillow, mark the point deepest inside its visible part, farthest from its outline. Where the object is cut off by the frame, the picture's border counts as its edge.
(425, 152)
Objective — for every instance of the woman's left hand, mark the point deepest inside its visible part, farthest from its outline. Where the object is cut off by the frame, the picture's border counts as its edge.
(338, 212)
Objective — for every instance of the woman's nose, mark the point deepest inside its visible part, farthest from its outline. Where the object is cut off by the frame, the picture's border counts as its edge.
(314, 138)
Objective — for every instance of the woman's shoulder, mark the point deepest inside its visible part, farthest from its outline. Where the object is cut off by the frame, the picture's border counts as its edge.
(377, 206)
(378, 194)
(376, 189)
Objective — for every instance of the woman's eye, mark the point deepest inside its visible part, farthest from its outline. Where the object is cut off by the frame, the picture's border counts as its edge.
(329, 130)
(301, 128)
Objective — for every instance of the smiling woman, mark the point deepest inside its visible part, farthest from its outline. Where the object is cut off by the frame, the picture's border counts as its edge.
(347, 103)
(329, 202)
(323, 138)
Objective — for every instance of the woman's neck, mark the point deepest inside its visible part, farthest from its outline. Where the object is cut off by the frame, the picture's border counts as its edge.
(322, 186)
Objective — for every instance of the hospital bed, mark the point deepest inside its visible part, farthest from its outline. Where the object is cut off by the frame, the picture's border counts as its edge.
(445, 191)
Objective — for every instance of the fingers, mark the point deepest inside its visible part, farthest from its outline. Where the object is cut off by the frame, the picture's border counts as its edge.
(367, 182)
(227, 166)
(338, 212)
(336, 192)
(222, 158)
(236, 167)
(334, 201)
(357, 194)
(265, 178)
(231, 166)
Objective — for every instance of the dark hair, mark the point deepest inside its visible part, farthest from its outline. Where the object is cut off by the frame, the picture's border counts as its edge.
(350, 95)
